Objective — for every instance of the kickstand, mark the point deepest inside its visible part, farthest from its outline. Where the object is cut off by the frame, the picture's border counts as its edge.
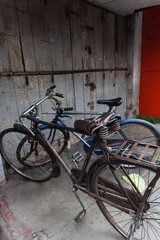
(82, 213)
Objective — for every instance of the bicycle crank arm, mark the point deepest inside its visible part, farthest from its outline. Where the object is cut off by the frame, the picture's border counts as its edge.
(82, 213)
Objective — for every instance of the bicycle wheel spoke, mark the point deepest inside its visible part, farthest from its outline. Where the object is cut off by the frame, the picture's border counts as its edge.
(23, 157)
(139, 132)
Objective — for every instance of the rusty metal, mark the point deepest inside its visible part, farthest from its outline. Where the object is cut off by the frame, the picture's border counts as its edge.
(143, 206)
(52, 79)
(87, 160)
(63, 72)
(27, 80)
(92, 85)
(89, 49)
(95, 196)
(133, 184)
(117, 155)
(121, 147)
(131, 150)
(118, 196)
(112, 169)
(155, 155)
(144, 151)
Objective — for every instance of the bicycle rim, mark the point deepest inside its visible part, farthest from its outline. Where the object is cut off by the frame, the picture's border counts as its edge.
(10, 140)
(148, 223)
(57, 138)
(140, 132)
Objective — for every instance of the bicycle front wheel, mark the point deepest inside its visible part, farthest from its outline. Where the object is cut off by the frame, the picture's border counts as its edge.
(35, 161)
(140, 132)
(57, 137)
(132, 223)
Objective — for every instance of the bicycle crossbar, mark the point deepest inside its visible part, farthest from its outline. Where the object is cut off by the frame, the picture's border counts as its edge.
(58, 126)
(84, 113)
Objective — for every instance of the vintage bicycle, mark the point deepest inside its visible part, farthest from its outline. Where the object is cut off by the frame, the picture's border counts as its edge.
(124, 181)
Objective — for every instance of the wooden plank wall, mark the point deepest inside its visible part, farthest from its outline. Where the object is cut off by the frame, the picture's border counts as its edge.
(47, 35)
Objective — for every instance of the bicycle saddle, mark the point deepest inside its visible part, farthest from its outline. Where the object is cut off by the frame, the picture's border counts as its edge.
(91, 126)
(111, 102)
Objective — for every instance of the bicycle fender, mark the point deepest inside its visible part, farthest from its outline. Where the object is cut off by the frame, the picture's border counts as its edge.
(22, 128)
(93, 168)
(140, 121)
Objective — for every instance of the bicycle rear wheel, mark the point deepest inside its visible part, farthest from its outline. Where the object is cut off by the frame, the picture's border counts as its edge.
(38, 165)
(146, 224)
(140, 132)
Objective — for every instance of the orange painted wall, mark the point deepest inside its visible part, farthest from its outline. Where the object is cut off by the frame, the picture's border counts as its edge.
(150, 64)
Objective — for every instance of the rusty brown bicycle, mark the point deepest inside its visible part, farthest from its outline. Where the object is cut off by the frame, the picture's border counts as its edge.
(124, 181)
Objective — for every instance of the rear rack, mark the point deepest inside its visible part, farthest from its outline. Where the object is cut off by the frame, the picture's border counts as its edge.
(127, 150)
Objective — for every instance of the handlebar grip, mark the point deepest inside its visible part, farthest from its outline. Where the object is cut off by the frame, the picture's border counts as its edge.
(59, 95)
(50, 89)
(32, 118)
(68, 109)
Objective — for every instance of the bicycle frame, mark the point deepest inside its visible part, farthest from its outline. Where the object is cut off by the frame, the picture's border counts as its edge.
(77, 183)
(63, 124)
(60, 122)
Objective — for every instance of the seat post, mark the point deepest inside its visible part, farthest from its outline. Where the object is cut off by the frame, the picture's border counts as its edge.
(110, 108)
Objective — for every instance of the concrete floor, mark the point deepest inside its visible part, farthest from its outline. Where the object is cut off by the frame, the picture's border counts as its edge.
(46, 211)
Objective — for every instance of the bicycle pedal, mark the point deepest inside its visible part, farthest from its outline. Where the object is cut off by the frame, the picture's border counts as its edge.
(80, 216)
(77, 157)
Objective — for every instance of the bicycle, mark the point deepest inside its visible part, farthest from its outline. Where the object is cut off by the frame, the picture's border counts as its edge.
(36, 164)
(134, 129)
(114, 180)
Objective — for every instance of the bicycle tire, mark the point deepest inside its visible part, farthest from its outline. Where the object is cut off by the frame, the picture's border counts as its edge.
(59, 143)
(58, 138)
(140, 132)
(9, 141)
(120, 220)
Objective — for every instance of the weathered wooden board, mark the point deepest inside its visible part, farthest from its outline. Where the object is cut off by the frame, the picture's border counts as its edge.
(4, 56)
(99, 76)
(26, 40)
(8, 103)
(108, 34)
(60, 35)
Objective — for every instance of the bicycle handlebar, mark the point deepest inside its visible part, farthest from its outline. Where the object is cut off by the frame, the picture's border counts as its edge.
(49, 95)
(59, 95)
(49, 90)
(30, 117)
(68, 109)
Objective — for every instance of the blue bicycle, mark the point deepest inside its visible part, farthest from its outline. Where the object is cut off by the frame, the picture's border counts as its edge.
(130, 129)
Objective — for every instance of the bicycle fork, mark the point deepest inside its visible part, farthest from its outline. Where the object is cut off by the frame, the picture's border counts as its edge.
(82, 213)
